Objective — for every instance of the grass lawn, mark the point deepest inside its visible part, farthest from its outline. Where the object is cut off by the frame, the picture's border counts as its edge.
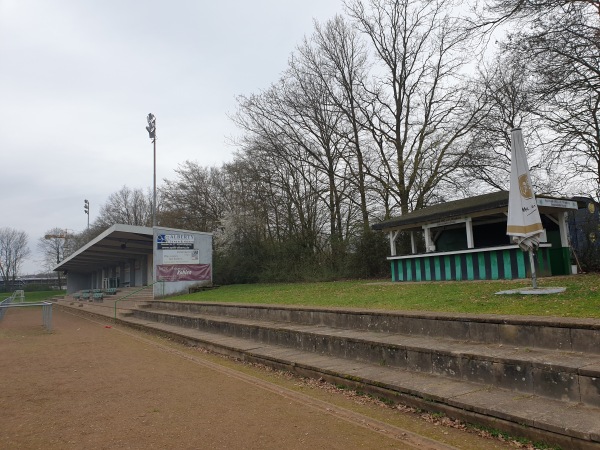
(581, 299)
(34, 296)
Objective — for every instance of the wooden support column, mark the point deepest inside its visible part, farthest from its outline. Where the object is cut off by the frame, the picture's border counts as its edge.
(429, 245)
(563, 226)
(413, 243)
(393, 236)
(469, 226)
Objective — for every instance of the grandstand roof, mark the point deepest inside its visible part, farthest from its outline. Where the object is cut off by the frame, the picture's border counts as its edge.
(119, 244)
(486, 204)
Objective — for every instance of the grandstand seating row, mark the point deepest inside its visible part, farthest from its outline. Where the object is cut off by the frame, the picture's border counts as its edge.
(94, 294)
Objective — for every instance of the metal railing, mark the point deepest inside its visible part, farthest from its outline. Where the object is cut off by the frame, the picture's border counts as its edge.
(135, 292)
(7, 301)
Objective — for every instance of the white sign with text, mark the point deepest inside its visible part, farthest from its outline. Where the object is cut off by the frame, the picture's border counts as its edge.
(181, 256)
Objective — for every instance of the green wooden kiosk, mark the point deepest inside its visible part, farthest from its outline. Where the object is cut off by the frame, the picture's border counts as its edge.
(466, 240)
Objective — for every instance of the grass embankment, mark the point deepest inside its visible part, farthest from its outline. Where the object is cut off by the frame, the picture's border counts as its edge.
(581, 299)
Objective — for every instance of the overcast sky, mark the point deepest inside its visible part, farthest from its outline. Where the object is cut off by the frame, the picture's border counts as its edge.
(78, 78)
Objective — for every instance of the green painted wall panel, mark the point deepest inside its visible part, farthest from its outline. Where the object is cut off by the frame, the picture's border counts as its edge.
(544, 262)
(522, 263)
(499, 262)
(447, 264)
(470, 273)
(494, 265)
(560, 261)
(428, 269)
(482, 272)
(438, 270)
(507, 264)
(458, 267)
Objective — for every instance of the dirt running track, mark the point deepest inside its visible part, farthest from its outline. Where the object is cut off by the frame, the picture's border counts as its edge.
(92, 385)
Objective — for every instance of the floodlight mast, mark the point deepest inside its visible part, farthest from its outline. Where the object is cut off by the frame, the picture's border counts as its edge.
(151, 128)
(86, 209)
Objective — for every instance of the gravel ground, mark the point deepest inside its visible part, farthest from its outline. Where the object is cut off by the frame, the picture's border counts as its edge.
(90, 384)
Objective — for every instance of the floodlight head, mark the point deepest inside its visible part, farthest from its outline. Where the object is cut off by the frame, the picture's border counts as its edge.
(151, 132)
(151, 128)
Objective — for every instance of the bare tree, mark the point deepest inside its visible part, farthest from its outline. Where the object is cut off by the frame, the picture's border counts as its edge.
(510, 90)
(53, 247)
(287, 193)
(558, 41)
(194, 199)
(77, 240)
(492, 13)
(336, 55)
(126, 206)
(421, 115)
(297, 122)
(13, 251)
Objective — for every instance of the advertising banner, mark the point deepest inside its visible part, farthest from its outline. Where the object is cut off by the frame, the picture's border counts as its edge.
(181, 256)
(183, 272)
(175, 241)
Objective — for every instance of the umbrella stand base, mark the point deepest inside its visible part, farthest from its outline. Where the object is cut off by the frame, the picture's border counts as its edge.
(532, 291)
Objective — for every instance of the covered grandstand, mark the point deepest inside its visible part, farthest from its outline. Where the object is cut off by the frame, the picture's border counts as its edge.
(128, 256)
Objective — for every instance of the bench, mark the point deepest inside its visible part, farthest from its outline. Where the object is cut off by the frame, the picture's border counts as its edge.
(91, 294)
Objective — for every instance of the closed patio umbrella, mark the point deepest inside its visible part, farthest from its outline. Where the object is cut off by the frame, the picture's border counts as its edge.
(524, 223)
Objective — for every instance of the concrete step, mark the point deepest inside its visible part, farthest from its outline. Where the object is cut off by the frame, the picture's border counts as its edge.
(567, 424)
(482, 369)
(133, 293)
(106, 307)
(568, 376)
(136, 293)
(556, 333)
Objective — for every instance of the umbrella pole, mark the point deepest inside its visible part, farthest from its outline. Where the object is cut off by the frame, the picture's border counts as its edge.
(533, 274)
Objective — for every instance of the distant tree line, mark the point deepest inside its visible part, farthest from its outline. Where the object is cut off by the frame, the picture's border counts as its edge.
(391, 107)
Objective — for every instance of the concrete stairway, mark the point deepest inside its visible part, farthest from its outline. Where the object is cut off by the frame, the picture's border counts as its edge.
(136, 294)
(532, 377)
(125, 300)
